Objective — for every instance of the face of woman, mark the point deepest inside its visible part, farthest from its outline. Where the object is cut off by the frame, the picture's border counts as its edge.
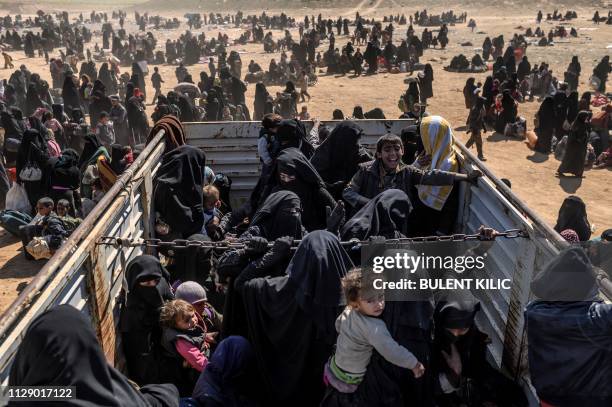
(457, 332)
(286, 178)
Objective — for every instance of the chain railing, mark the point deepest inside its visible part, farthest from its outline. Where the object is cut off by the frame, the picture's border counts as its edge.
(241, 244)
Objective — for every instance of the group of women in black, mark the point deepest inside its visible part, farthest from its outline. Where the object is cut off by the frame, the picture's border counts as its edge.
(279, 302)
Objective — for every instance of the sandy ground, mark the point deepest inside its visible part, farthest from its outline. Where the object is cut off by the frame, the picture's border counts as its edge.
(532, 175)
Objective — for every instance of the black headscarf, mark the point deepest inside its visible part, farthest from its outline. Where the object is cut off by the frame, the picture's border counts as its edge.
(385, 215)
(308, 185)
(186, 108)
(291, 319)
(412, 143)
(178, 194)
(338, 157)
(10, 125)
(358, 112)
(569, 341)
(65, 172)
(60, 348)
(34, 148)
(91, 145)
(375, 113)
(573, 215)
(118, 164)
(456, 311)
(279, 216)
(142, 304)
(38, 125)
(292, 133)
(567, 277)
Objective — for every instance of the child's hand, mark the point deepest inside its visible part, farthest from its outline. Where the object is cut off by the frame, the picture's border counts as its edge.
(418, 370)
(424, 160)
(211, 337)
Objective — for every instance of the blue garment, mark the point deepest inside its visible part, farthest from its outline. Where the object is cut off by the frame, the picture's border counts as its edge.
(222, 382)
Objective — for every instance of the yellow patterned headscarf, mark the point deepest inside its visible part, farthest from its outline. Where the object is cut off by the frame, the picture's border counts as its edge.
(437, 137)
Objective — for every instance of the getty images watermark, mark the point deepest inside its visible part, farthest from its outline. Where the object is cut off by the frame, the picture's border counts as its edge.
(415, 271)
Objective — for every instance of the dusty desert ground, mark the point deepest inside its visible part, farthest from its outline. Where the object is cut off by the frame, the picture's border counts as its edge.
(532, 175)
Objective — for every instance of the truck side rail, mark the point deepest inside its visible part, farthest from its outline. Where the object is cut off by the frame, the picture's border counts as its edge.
(86, 275)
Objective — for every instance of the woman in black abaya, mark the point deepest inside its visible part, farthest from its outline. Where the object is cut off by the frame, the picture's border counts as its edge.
(384, 215)
(106, 77)
(293, 172)
(70, 94)
(546, 125)
(138, 79)
(33, 101)
(33, 150)
(178, 191)
(60, 348)
(426, 83)
(573, 215)
(261, 97)
(577, 140)
(508, 113)
(572, 106)
(460, 370)
(291, 320)
(278, 217)
(337, 158)
(65, 179)
(147, 290)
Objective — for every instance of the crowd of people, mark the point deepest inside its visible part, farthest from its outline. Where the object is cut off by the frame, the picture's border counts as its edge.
(272, 322)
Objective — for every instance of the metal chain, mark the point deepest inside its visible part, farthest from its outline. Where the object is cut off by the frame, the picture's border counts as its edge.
(226, 245)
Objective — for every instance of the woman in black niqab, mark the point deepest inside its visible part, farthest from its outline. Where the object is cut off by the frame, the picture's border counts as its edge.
(65, 178)
(307, 185)
(577, 140)
(187, 109)
(106, 78)
(291, 320)
(572, 106)
(33, 149)
(456, 331)
(118, 163)
(384, 215)
(546, 125)
(292, 133)
(337, 158)
(33, 101)
(60, 348)
(10, 124)
(261, 97)
(278, 216)
(573, 215)
(178, 191)
(70, 94)
(358, 113)
(139, 318)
